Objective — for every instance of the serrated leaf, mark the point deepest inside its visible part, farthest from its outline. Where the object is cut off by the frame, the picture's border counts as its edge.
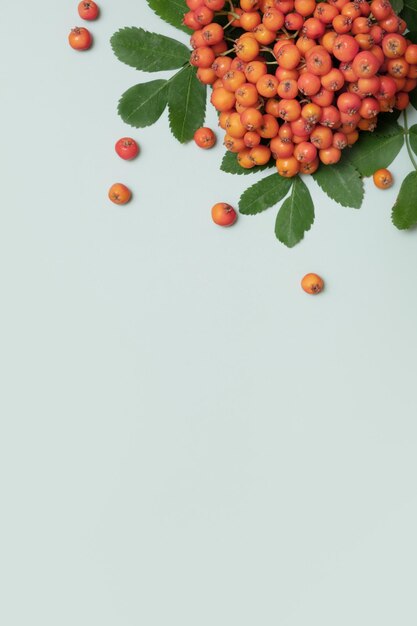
(264, 194)
(230, 165)
(187, 104)
(404, 212)
(409, 14)
(171, 11)
(296, 215)
(147, 51)
(397, 5)
(375, 150)
(413, 138)
(142, 105)
(342, 183)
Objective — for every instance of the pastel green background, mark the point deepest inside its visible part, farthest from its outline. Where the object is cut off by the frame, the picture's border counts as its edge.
(186, 437)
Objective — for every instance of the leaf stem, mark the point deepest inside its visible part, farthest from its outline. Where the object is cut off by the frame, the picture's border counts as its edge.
(407, 141)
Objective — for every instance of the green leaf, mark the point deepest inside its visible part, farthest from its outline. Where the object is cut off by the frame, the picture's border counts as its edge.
(413, 98)
(230, 165)
(148, 51)
(386, 122)
(397, 5)
(296, 215)
(342, 182)
(412, 36)
(404, 212)
(171, 11)
(413, 138)
(376, 150)
(187, 104)
(142, 105)
(409, 14)
(264, 194)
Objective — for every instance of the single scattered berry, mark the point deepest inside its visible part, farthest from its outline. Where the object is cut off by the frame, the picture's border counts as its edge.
(80, 38)
(127, 148)
(223, 214)
(383, 178)
(204, 138)
(312, 284)
(119, 193)
(88, 10)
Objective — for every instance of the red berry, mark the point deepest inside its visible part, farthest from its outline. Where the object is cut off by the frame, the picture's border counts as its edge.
(88, 10)
(223, 214)
(127, 148)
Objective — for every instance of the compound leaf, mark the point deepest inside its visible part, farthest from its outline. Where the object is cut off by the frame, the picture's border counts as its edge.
(296, 215)
(143, 104)
(404, 212)
(187, 104)
(342, 183)
(171, 11)
(148, 51)
(264, 194)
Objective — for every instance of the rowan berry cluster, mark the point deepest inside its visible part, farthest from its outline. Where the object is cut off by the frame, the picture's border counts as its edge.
(297, 80)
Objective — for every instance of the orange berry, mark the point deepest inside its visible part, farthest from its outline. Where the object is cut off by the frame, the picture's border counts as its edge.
(260, 155)
(251, 118)
(244, 159)
(223, 214)
(234, 126)
(119, 193)
(383, 178)
(204, 138)
(288, 167)
(222, 99)
(252, 139)
(247, 49)
(233, 144)
(312, 284)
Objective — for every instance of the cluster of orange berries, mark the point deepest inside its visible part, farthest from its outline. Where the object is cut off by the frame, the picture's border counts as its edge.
(297, 80)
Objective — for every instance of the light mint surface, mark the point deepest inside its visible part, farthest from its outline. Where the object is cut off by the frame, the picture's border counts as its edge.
(186, 438)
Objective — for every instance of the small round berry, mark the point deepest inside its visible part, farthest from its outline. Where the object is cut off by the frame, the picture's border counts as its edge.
(88, 10)
(312, 284)
(80, 38)
(119, 193)
(383, 179)
(223, 214)
(127, 148)
(204, 138)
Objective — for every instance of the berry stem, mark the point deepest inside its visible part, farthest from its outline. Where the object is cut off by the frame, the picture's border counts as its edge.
(266, 49)
(235, 15)
(407, 140)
